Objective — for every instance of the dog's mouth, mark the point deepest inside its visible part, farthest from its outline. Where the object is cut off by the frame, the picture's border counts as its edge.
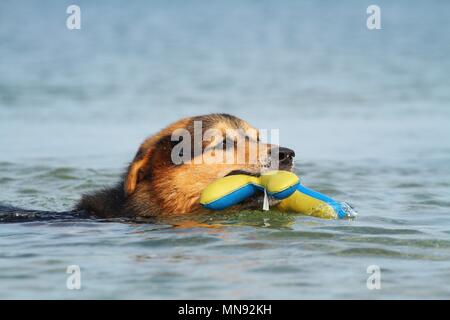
(285, 167)
(256, 201)
(244, 172)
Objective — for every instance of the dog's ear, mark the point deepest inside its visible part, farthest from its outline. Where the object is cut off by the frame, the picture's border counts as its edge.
(139, 166)
(157, 146)
(134, 174)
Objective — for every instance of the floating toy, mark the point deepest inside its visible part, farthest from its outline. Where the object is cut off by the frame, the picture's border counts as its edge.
(282, 185)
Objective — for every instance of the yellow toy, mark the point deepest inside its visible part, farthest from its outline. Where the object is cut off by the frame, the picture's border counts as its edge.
(285, 185)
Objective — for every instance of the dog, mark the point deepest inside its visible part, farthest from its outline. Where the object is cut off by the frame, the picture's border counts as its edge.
(156, 185)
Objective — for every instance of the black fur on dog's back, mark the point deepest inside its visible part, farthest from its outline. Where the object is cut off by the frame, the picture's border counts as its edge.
(9, 214)
(106, 203)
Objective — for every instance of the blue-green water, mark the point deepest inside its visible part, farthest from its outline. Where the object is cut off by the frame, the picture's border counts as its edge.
(367, 113)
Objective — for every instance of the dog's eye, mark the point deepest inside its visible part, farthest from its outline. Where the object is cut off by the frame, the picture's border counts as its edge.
(228, 143)
(173, 144)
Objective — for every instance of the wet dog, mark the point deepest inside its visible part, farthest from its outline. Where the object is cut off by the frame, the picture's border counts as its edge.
(156, 183)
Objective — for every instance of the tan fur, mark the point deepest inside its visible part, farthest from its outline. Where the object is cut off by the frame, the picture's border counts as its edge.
(154, 186)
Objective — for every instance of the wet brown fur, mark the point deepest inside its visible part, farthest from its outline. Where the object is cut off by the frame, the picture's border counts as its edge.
(153, 185)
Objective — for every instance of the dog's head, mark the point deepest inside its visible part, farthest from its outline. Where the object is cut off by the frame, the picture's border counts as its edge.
(175, 165)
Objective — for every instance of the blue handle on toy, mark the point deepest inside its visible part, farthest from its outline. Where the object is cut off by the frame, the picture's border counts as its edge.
(341, 208)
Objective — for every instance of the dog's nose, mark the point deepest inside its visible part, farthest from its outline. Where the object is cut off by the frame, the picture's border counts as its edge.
(285, 154)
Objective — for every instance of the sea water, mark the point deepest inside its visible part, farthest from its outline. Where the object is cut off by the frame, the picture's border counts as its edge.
(366, 111)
